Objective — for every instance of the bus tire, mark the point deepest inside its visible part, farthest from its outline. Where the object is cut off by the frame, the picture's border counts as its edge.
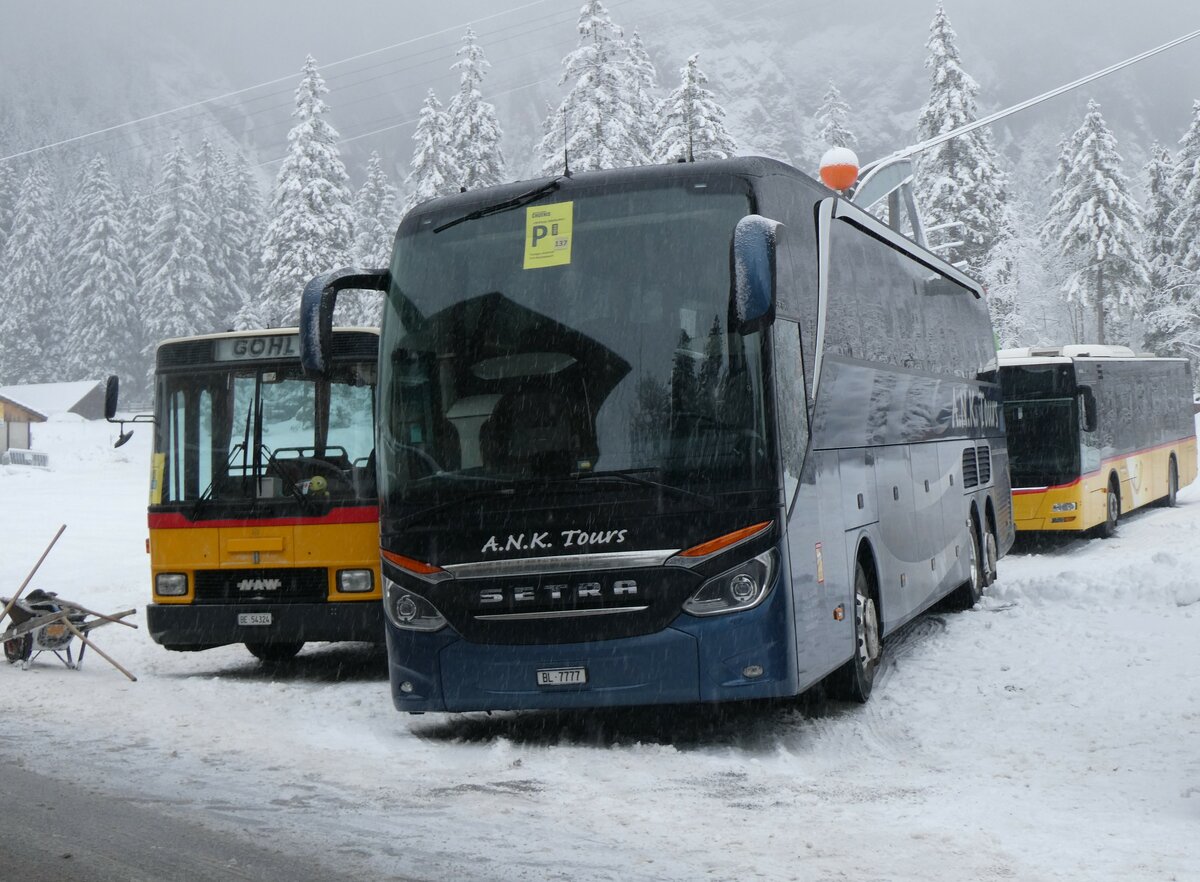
(1112, 509)
(968, 593)
(1168, 501)
(274, 652)
(853, 680)
(991, 555)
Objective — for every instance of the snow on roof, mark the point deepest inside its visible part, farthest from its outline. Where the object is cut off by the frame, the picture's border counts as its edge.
(49, 399)
(1056, 354)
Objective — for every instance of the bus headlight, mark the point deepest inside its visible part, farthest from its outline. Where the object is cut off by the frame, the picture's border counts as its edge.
(740, 588)
(410, 611)
(1064, 506)
(355, 581)
(170, 584)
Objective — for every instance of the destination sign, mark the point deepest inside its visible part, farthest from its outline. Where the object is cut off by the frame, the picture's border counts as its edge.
(256, 348)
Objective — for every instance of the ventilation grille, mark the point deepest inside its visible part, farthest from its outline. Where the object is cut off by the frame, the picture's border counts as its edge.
(970, 469)
(984, 459)
(274, 585)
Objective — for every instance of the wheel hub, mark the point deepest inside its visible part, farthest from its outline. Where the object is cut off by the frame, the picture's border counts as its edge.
(868, 628)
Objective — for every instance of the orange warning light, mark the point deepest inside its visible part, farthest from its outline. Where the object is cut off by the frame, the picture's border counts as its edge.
(839, 168)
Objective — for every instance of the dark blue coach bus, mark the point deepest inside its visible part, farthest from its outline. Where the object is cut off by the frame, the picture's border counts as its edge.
(674, 434)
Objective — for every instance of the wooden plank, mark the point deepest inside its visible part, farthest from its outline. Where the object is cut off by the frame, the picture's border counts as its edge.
(14, 598)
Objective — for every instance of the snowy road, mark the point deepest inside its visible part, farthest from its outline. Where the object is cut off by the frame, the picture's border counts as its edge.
(1053, 733)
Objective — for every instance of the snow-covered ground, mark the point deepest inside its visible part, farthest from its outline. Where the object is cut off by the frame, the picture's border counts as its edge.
(1053, 733)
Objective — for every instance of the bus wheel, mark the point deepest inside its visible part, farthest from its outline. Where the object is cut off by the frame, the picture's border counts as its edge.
(853, 680)
(1112, 509)
(1172, 485)
(968, 593)
(274, 652)
(991, 556)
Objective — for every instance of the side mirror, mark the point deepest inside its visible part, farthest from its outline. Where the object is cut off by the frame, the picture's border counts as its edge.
(752, 265)
(316, 311)
(111, 391)
(1087, 402)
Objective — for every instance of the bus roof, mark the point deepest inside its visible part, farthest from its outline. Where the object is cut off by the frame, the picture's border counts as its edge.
(743, 166)
(258, 332)
(1070, 352)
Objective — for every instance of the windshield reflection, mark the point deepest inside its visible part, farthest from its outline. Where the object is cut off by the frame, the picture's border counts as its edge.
(620, 362)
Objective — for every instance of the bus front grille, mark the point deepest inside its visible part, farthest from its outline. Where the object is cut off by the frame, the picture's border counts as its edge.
(301, 585)
(568, 607)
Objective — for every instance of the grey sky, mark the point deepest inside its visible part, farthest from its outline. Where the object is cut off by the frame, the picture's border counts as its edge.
(1015, 49)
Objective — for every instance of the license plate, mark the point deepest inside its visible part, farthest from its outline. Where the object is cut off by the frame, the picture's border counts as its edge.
(254, 618)
(562, 677)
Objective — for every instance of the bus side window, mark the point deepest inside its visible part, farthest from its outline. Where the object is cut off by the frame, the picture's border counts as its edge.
(792, 404)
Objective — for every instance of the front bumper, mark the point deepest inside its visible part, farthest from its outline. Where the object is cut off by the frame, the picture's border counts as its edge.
(203, 626)
(693, 660)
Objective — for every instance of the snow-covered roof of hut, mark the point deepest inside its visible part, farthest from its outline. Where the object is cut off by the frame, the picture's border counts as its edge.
(84, 397)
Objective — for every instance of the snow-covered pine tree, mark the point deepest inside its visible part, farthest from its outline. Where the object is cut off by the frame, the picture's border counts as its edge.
(832, 118)
(1102, 233)
(1016, 282)
(214, 198)
(243, 231)
(433, 170)
(1056, 220)
(68, 238)
(310, 230)
(374, 216)
(1179, 317)
(959, 187)
(103, 331)
(140, 209)
(1189, 151)
(374, 228)
(1167, 310)
(692, 124)
(29, 272)
(177, 292)
(647, 106)
(594, 127)
(474, 130)
(10, 189)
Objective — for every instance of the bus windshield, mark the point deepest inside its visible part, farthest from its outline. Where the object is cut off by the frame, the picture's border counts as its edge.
(1041, 417)
(257, 433)
(616, 364)
(1043, 441)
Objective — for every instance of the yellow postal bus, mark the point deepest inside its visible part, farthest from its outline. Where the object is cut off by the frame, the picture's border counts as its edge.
(264, 518)
(1093, 432)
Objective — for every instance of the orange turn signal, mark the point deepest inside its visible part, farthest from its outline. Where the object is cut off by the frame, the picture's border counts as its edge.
(712, 546)
(408, 563)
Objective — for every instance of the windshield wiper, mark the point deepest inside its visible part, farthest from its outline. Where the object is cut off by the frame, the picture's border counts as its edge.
(634, 476)
(507, 205)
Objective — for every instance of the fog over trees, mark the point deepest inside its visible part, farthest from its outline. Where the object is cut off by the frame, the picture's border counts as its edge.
(1081, 228)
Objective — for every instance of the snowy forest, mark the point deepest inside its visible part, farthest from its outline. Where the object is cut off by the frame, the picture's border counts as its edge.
(103, 260)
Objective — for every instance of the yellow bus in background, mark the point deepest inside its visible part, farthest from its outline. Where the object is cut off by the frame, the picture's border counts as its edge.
(263, 516)
(1094, 432)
